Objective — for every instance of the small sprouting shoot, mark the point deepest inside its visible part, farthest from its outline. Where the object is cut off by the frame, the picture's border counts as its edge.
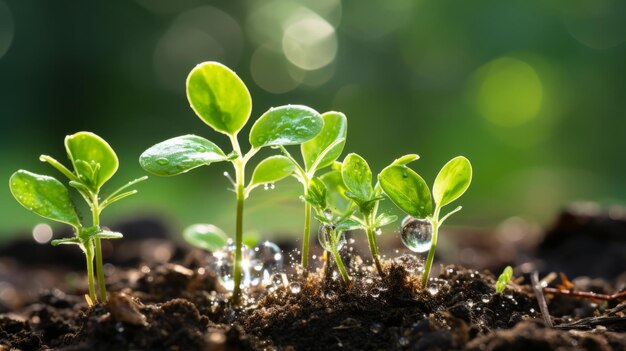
(318, 153)
(365, 198)
(94, 162)
(504, 279)
(222, 101)
(410, 193)
(326, 200)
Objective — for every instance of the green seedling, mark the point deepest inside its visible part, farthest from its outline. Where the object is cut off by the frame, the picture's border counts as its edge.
(411, 194)
(94, 162)
(357, 179)
(221, 100)
(504, 279)
(318, 153)
(332, 228)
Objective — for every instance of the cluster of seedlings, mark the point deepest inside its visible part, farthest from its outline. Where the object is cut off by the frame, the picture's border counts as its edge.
(342, 195)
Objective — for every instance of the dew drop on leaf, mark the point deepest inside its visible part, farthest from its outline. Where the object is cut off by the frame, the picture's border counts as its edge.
(416, 234)
(162, 161)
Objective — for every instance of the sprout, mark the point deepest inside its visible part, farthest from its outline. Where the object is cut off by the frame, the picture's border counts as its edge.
(222, 101)
(332, 228)
(94, 162)
(504, 279)
(410, 193)
(357, 179)
(318, 153)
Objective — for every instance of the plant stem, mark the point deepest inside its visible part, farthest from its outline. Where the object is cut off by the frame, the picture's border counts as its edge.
(240, 191)
(307, 234)
(95, 210)
(90, 280)
(431, 253)
(371, 239)
(342, 268)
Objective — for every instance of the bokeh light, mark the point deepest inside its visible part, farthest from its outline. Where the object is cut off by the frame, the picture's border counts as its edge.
(510, 92)
(310, 41)
(42, 233)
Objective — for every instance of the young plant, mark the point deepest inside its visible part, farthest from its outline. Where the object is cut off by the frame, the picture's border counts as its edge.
(504, 279)
(357, 178)
(332, 228)
(410, 193)
(221, 100)
(318, 153)
(94, 162)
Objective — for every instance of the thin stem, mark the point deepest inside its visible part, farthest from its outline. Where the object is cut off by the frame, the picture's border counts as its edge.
(431, 253)
(239, 164)
(371, 239)
(342, 268)
(307, 234)
(95, 211)
(90, 281)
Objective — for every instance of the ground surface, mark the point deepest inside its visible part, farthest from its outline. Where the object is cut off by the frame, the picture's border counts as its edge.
(173, 301)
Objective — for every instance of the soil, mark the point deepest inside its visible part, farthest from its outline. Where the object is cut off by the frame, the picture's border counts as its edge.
(165, 297)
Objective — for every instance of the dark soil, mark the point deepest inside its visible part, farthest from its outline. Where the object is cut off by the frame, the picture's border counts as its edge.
(173, 302)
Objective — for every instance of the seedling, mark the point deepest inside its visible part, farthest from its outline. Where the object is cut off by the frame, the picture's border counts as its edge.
(357, 179)
(94, 162)
(410, 193)
(221, 100)
(504, 279)
(332, 228)
(318, 153)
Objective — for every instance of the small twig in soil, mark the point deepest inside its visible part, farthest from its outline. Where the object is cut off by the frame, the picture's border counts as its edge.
(621, 296)
(541, 299)
(592, 322)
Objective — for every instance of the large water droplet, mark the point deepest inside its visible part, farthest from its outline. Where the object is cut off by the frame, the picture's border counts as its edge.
(295, 288)
(269, 186)
(225, 262)
(328, 214)
(265, 260)
(326, 239)
(162, 161)
(416, 234)
(433, 289)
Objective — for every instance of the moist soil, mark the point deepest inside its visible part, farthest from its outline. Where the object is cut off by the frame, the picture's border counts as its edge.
(173, 301)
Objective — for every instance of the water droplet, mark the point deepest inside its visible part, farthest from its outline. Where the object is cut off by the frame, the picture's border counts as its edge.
(277, 280)
(295, 288)
(403, 341)
(225, 262)
(417, 234)
(328, 214)
(405, 174)
(200, 149)
(378, 231)
(485, 298)
(269, 186)
(162, 161)
(433, 289)
(375, 292)
(470, 303)
(274, 147)
(376, 328)
(265, 259)
(327, 235)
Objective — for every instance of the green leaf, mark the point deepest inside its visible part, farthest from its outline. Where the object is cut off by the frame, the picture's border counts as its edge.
(43, 195)
(64, 241)
(286, 125)
(179, 155)
(219, 97)
(316, 193)
(107, 234)
(94, 160)
(452, 181)
(336, 191)
(383, 219)
(357, 177)
(270, 170)
(405, 160)
(59, 167)
(407, 190)
(504, 279)
(335, 128)
(205, 236)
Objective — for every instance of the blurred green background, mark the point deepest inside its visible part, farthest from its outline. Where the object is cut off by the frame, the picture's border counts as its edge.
(532, 91)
